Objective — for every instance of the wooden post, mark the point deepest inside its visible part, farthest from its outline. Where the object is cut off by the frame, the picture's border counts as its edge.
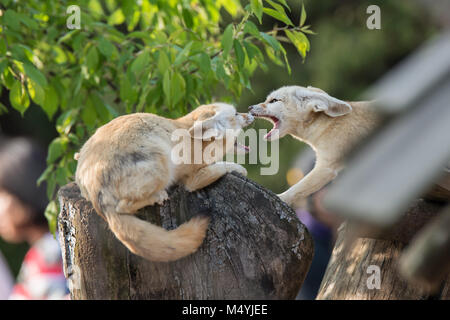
(255, 247)
(355, 260)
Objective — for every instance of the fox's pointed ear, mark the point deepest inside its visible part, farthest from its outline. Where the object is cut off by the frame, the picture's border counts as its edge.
(315, 89)
(322, 102)
(206, 129)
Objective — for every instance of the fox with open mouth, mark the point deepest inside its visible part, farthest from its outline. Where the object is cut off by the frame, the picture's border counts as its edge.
(329, 125)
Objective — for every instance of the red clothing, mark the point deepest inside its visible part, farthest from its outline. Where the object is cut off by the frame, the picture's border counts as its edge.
(41, 275)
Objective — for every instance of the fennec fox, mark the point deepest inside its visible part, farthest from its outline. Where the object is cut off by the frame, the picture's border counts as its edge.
(329, 125)
(127, 165)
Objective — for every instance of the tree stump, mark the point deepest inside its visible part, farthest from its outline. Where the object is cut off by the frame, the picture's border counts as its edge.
(354, 261)
(255, 247)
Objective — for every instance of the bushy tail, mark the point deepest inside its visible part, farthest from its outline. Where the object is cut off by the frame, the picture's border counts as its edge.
(155, 243)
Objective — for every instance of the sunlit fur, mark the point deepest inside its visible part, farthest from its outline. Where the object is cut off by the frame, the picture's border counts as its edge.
(126, 165)
(329, 125)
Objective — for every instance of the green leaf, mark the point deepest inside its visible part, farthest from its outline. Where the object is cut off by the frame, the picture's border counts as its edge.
(183, 55)
(26, 20)
(19, 97)
(128, 92)
(284, 4)
(61, 175)
(274, 43)
(140, 62)
(274, 57)
(204, 62)
(302, 16)
(240, 53)
(3, 66)
(2, 49)
(163, 62)
(92, 59)
(60, 55)
(250, 28)
(300, 41)
(306, 30)
(11, 19)
(174, 87)
(106, 47)
(51, 186)
(21, 52)
(252, 51)
(66, 120)
(167, 87)
(68, 35)
(37, 93)
(44, 176)
(117, 17)
(105, 113)
(35, 74)
(178, 87)
(277, 7)
(8, 79)
(56, 149)
(257, 9)
(279, 16)
(187, 18)
(88, 114)
(51, 102)
(51, 213)
(227, 40)
(139, 35)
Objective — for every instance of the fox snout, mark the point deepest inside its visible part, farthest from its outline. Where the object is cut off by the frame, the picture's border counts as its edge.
(249, 118)
(257, 109)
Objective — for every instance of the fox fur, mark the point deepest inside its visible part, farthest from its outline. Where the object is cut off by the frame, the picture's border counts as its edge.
(126, 165)
(329, 125)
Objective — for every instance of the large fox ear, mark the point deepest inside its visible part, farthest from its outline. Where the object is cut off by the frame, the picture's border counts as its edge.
(322, 102)
(207, 129)
(315, 89)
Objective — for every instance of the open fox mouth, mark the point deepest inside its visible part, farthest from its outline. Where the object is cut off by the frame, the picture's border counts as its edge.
(273, 119)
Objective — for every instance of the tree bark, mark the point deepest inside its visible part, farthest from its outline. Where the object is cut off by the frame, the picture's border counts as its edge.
(255, 247)
(350, 271)
(427, 260)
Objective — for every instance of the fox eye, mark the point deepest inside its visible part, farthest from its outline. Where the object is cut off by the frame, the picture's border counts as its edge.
(236, 114)
(273, 100)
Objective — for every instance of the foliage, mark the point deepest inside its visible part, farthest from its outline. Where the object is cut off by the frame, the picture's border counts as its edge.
(157, 56)
(347, 59)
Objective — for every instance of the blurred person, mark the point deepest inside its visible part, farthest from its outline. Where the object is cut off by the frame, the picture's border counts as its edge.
(6, 279)
(22, 206)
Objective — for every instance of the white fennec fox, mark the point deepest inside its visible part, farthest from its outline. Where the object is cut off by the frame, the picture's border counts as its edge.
(329, 125)
(127, 165)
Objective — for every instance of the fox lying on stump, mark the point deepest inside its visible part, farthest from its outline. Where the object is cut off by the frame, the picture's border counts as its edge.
(126, 165)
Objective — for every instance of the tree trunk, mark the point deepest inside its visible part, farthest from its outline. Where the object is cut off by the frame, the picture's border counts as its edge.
(255, 247)
(355, 261)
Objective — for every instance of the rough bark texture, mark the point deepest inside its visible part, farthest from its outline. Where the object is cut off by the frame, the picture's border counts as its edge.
(426, 261)
(348, 271)
(255, 247)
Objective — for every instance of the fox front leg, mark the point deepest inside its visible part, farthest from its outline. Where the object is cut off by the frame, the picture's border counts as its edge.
(312, 182)
(207, 175)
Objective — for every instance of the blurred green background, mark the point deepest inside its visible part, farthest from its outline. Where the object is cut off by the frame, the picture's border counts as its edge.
(345, 58)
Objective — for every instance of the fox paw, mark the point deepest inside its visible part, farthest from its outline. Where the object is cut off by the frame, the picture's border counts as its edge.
(234, 167)
(161, 196)
(296, 202)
